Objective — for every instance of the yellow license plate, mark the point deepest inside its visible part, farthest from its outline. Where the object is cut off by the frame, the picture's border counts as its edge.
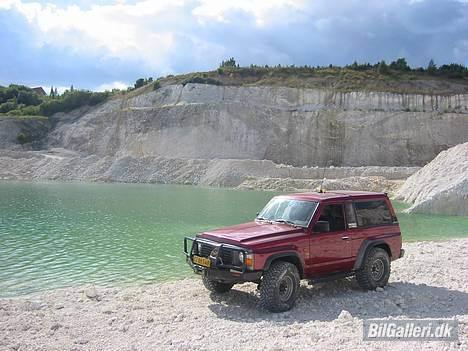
(202, 261)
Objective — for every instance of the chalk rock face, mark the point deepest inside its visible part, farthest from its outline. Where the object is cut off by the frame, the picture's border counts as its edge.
(299, 127)
(441, 186)
(220, 135)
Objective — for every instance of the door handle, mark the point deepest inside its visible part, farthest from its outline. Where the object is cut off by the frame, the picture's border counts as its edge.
(345, 238)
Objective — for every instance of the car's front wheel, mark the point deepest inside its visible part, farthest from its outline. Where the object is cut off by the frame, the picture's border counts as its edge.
(375, 270)
(279, 287)
(215, 286)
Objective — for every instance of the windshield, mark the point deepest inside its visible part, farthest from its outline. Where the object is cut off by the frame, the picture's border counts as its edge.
(295, 212)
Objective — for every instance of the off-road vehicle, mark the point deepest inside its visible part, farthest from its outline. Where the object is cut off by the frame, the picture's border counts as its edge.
(317, 236)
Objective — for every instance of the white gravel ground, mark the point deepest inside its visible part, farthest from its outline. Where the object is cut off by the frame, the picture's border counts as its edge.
(430, 282)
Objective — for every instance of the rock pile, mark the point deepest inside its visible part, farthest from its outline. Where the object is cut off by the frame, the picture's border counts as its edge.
(441, 187)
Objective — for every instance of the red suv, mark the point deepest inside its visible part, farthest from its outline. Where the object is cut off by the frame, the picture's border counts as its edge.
(318, 236)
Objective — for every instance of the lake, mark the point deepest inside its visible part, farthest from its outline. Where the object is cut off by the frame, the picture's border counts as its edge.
(61, 234)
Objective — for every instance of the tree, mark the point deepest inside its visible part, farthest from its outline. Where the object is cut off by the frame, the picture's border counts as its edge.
(400, 65)
(72, 89)
(229, 63)
(139, 83)
(454, 70)
(52, 92)
(56, 92)
(28, 98)
(431, 67)
(383, 67)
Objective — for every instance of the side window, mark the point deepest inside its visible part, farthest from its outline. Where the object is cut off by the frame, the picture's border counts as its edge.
(333, 214)
(371, 213)
(350, 215)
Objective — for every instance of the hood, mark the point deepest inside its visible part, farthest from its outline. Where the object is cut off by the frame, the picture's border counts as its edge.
(251, 232)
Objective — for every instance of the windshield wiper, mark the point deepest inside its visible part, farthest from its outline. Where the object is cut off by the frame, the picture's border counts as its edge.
(263, 219)
(286, 221)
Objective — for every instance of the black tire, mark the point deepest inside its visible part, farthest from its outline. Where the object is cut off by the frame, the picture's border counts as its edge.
(279, 287)
(375, 269)
(216, 287)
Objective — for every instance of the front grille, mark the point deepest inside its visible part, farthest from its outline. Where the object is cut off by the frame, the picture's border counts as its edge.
(206, 250)
(226, 254)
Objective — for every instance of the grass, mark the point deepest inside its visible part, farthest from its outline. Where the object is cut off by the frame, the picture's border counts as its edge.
(339, 79)
(27, 117)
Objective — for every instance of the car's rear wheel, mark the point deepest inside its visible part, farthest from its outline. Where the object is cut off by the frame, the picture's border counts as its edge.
(279, 287)
(375, 270)
(215, 286)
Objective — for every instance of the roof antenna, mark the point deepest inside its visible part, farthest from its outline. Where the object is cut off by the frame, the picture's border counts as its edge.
(329, 162)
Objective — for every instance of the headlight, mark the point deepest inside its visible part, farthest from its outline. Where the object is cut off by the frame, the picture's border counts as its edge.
(241, 256)
(199, 248)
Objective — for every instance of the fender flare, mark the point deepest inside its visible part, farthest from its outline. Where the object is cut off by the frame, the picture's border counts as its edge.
(287, 254)
(365, 247)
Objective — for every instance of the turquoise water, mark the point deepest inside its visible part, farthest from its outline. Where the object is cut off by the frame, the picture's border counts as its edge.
(61, 234)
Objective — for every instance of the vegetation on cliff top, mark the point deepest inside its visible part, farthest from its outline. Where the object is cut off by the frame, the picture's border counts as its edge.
(396, 77)
(21, 101)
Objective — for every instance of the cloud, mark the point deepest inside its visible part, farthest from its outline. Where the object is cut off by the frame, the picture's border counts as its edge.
(94, 45)
(112, 85)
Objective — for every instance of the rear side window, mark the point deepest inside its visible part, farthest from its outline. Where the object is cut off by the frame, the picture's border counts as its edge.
(371, 213)
(333, 214)
(350, 215)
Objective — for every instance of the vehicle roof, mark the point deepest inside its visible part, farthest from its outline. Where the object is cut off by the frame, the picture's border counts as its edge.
(335, 194)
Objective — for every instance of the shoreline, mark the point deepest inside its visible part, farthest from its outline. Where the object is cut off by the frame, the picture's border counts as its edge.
(190, 276)
(431, 281)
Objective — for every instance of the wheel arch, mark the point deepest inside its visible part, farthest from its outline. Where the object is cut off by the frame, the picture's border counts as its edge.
(366, 246)
(291, 257)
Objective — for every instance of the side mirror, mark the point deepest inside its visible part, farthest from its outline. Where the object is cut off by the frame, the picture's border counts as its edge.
(322, 227)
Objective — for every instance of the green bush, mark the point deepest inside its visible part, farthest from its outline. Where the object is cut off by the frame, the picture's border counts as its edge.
(201, 80)
(12, 92)
(30, 111)
(139, 83)
(70, 101)
(28, 98)
(8, 106)
(383, 67)
(23, 138)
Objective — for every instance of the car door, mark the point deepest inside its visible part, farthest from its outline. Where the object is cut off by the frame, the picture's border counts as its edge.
(330, 251)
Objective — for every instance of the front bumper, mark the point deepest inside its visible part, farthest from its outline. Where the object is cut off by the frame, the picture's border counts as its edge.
(218, 270)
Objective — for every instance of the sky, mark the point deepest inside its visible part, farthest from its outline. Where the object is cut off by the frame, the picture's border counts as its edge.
(102, 45)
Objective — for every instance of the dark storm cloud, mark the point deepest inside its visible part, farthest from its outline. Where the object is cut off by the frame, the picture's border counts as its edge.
(314, 33)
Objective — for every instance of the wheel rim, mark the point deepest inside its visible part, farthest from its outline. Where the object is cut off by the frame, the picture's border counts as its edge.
(377, 269)
(285, 288)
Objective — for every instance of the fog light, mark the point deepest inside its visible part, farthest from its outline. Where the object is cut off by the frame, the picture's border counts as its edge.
(241, 256)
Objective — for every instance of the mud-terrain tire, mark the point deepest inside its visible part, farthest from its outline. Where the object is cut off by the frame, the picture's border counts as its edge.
(216, 287)
(279, 287)
(375, 269)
